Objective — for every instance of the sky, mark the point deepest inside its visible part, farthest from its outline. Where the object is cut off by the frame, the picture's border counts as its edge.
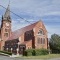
(34, 10)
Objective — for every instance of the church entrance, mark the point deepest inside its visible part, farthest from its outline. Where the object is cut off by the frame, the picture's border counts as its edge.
(22, 49)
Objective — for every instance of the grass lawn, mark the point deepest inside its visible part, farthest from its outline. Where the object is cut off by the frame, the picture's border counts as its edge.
(43, 56)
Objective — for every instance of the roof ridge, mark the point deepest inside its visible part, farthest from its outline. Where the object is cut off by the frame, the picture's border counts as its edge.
(18, 32)
(27, 26)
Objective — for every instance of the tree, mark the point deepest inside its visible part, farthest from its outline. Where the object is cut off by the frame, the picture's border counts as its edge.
(55, 43)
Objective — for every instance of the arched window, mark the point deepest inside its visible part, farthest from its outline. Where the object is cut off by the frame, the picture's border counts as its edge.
(40, 32)
(6, 34)
(6, 29)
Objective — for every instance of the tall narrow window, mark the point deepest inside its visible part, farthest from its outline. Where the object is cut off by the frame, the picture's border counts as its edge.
(38, 40)
(6, 34)
(43, 41)
(6, 30)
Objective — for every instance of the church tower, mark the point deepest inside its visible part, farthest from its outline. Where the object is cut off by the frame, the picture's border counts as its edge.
(5, 27)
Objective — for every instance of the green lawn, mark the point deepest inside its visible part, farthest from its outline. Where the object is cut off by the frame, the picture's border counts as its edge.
(43, 56)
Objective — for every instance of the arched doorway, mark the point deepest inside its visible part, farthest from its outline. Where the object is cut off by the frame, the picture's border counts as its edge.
(22, 49)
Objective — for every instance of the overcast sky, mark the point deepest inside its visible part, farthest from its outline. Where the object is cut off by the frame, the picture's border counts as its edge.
(33, 10)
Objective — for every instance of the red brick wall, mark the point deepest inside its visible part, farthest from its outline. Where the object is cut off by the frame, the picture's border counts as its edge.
(4, 26)
(29, 43)
(37, 28)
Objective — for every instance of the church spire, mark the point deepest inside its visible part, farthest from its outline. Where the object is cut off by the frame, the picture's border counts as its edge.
(7, 13)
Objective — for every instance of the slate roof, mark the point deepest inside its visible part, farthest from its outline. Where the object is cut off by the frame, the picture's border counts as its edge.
(18, 32)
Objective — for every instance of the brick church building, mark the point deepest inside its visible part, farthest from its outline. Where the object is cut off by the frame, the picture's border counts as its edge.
(29, 37)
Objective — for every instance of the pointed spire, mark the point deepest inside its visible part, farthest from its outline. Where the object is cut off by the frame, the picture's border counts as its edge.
(7, 13)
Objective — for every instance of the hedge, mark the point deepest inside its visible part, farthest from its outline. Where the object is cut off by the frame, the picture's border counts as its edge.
(56, 51)
(41, 52)
(9, 53)
(28, 52)
(35, 52)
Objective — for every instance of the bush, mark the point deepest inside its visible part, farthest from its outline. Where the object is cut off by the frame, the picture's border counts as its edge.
(9, 53)
(33, 52)
(56, 51)
(54, 43)
(41, 52)
(28, 52)
(36, 52)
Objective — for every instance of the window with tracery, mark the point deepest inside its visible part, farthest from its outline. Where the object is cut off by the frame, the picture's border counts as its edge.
(40, 32)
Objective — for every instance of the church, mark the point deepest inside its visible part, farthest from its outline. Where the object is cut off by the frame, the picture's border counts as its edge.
(33, 36)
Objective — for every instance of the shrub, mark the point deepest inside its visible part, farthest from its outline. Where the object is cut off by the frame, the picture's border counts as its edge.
(36, 52)
(9, 53)
(56, 51)
(41, 52)
(29, 52)
(33, 52)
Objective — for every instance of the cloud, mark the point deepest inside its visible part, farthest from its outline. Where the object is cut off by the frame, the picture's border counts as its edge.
(17, 24)
(34, 10)
(39, 8)
(53, 29)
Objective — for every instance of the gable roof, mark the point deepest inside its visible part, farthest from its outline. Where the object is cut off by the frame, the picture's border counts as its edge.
(18, 32)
